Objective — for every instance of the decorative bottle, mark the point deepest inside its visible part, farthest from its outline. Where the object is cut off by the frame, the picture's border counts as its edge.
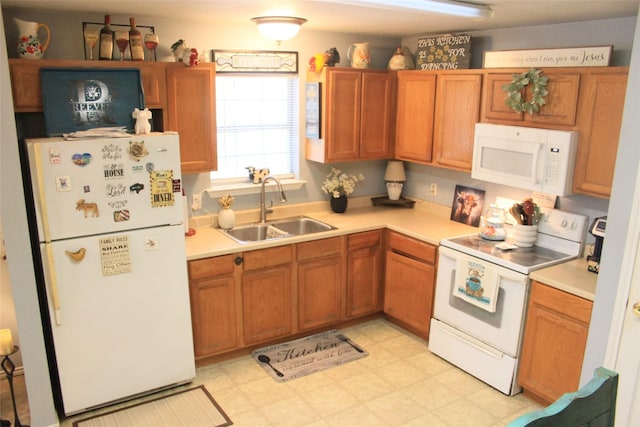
(106, 40)
(135, 42)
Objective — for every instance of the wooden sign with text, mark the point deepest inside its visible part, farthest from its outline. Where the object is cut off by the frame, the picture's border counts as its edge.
(444, 52)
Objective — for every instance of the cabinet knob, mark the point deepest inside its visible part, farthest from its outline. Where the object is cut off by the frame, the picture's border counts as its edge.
(636, 309)
(238, 260)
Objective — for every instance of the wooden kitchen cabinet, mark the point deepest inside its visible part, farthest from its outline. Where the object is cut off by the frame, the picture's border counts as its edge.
(320, 282)
(356, 115)
(267, 298)
(27, 90)
(191, 111)
(364, 273)
(436, 116)
(215, 301)
(559, 110)
(410, 282)
(457, 112)
(555, 338)
(599, 119)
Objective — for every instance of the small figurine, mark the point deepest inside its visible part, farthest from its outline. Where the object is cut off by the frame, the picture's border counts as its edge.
(256, 175)
(331, 57)
(142, 120)
(178, 49)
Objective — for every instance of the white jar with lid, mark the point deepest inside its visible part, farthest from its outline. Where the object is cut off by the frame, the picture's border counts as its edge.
(493, 228)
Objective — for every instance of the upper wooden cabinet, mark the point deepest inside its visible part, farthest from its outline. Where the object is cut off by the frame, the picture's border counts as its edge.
(186, 96)
(356, 115)
(560, 107)
(436, 115)
(27, 90)
(191, 101)
(599, 120)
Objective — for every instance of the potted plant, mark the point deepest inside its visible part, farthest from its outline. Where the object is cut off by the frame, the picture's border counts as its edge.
(338, 186)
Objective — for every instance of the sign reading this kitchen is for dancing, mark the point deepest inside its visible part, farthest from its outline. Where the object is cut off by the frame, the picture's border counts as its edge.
(444, 52)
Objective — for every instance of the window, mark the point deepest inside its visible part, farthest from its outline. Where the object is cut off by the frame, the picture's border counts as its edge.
(257, 120)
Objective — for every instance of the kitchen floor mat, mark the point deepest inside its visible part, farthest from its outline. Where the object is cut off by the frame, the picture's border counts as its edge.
(294, 359)
(187, 408)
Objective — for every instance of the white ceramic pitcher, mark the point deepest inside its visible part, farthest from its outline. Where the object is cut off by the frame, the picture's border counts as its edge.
(29, 46)
(359, 55)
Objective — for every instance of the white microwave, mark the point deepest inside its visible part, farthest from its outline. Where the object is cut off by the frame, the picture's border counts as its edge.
(528, 158)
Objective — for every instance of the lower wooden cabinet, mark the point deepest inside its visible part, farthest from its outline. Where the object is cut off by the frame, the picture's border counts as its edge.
(215, 302)
(364, 273)
(320, 283)
(554, 342)
(410, 282)
(267, 294)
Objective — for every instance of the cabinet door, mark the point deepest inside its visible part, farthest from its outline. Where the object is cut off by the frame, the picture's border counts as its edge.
(343, 114)
(25, 83)
(320, 292)
(375, 115)
(214, 316)
(364, 274)
(456, 113)
(560, 107)
(153, 84)
(554, 342)
(600, 118)
(409, 289)
(191, 112)
(266, 304)
(415, 116)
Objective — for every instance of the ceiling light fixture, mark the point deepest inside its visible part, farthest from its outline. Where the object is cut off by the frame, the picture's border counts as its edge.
(446, 7)
(279, 28)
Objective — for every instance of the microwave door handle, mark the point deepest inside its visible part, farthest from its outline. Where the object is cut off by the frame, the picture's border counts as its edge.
(536, 158)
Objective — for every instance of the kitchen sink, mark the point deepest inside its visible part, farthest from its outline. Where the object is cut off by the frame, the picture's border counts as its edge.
(277, 229)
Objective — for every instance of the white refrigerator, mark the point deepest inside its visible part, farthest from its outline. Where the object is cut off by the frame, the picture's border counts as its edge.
(109, 216)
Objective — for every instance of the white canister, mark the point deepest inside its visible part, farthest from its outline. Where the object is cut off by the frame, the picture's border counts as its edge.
(226, 218)
(524, 235)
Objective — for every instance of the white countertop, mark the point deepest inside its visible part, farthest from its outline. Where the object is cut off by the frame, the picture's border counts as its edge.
(426, 221)
(572, 277)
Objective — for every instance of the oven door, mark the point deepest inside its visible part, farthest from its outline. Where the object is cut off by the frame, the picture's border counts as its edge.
(501, 329)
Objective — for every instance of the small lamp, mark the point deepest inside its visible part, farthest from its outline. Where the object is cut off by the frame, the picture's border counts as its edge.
(279, 28)
(395, 177)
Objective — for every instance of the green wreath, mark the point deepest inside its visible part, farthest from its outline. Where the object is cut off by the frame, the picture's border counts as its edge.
(515, 90)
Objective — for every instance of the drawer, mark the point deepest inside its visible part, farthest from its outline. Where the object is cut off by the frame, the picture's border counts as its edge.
(364, 240)
(319, 248)
(270, 257)
(412, 247)
(211, 267)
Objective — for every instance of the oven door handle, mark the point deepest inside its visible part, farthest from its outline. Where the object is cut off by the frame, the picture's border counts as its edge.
(472, 341)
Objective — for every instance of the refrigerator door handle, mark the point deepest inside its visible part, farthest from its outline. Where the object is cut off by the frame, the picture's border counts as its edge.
(53, 284)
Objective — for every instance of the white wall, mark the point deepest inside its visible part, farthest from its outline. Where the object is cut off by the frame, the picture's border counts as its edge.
(16, 234)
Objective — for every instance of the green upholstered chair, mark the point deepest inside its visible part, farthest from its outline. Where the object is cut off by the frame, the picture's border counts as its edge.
(594, 405)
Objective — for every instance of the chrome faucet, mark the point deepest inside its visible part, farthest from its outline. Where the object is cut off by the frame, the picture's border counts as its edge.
(263, 208)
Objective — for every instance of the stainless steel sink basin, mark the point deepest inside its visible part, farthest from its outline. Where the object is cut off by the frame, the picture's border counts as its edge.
(302, 225)
(277, 229)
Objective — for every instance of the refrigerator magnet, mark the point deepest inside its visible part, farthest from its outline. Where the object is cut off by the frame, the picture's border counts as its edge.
(54, 156)
(81, 159)
(151, 243)
(63, 183)
(137, 150)
(161, 185)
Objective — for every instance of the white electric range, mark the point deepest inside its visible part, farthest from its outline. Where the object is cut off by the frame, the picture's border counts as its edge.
(481, 296)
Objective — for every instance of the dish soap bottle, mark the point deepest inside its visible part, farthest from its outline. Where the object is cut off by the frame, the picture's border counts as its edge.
(493, 228)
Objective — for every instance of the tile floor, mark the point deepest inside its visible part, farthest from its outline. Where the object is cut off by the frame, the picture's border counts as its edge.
(400, 383)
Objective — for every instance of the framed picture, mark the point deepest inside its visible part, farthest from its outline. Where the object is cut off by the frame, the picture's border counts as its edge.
(467, 205)
(91, 43)
(84, 98)
(312, 120)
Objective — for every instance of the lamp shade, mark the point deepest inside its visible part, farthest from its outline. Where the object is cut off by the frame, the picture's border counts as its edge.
(395, 171)
(279, 28)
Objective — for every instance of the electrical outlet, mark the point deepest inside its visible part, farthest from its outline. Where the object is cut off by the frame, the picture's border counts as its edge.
(434, 189)
(196, 202)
